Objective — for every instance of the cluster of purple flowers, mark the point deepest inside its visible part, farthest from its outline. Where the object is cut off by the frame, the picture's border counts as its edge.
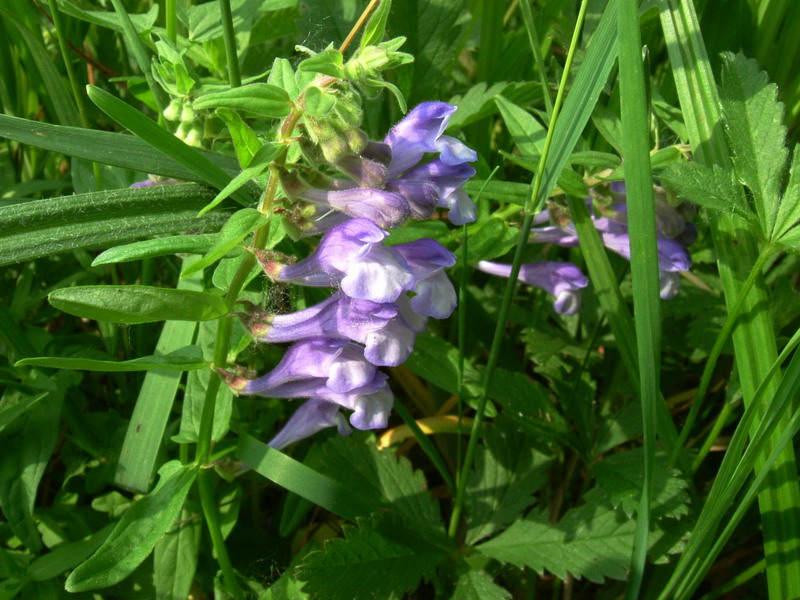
(385, 293)
(565, 280)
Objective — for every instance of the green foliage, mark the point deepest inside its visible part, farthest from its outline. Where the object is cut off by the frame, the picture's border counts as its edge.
(592, 542)
(137, 532)
(367, 563)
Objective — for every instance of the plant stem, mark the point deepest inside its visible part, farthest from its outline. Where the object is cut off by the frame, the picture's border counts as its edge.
(171, 11)
(716, 350)
(77, 92)
(234, 76)
(359, 24)
(533, 204)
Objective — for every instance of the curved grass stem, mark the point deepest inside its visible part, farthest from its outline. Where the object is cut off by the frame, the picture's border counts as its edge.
(533, 204)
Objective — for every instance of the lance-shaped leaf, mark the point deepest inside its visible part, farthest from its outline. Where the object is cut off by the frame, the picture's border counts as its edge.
(133, 304)
(240, 225)
(137, 532)
(183, 359)
(262, 99)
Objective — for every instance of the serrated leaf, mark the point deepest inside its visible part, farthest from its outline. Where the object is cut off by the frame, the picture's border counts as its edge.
(477, 585)
(368, 564)
(241, 224)
(137, 303)
(789, 212)
(376, 26)
(592, 542)
(43, 228)
(754, 121)
(710, 187)
(137, 532)
(527, 132)
(621, 477)
(507, 472)
(261, 99)
(183, 359)
(383, 477)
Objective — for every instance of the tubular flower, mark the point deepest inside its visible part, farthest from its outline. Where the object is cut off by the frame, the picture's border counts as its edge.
(562, 280)
(673, 235)
(387, 183)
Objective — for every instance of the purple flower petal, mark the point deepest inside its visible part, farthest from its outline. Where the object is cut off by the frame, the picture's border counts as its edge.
(461, 207)
(670, 284)
(313, 415)
(422, 197)
(417, 134)
(454, 152)
(435, 296)
(385, 208)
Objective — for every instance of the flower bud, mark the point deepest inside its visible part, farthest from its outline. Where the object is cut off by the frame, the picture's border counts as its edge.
(173, 111)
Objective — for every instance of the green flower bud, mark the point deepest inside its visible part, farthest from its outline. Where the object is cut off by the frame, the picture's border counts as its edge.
(173, 111)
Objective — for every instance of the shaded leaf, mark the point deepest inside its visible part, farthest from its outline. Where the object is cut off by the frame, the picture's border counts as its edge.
(184, 359)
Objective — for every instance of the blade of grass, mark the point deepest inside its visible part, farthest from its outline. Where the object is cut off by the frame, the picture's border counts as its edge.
(163, 141)
(644, 262)
(141, 55)
(737, 251)
(535, 199)
(137, 459)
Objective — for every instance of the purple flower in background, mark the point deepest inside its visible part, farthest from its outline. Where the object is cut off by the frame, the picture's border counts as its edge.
(560, 279)
(673, 234)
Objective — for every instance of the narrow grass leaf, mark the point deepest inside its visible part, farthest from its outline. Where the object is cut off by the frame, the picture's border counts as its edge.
(162, 140)
(303, 481)
(117, 149)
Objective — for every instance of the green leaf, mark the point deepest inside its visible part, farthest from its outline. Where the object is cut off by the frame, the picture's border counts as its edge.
(433, 30)
(137, 532)
(367, 564)
(117, 149)
(162, 140)
(317, 102)
(175, 557)
(103, 18)
(245, 141)
(383, 478)
(712, 188)
(492, 238)
(240, 225)
(324, 21)
(66, 556)
(507, 472)
(143, 439)
(327, 62)
(754, 122)
(303, 481)
(376, 26)
(282, 75)
(183, 359)
(789, 211)
(621, 477)
(33, 438)
(43, 228)
(11, 411)
(593, 541)
(176, 244)
(527, 132)
(261, 99)
(477, 585)
(137, 303)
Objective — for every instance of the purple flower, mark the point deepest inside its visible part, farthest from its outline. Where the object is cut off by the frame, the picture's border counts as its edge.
(352, 255)
(387, 336)
(385, 208)
(435, 296)
(560, 279)
(313, 415)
